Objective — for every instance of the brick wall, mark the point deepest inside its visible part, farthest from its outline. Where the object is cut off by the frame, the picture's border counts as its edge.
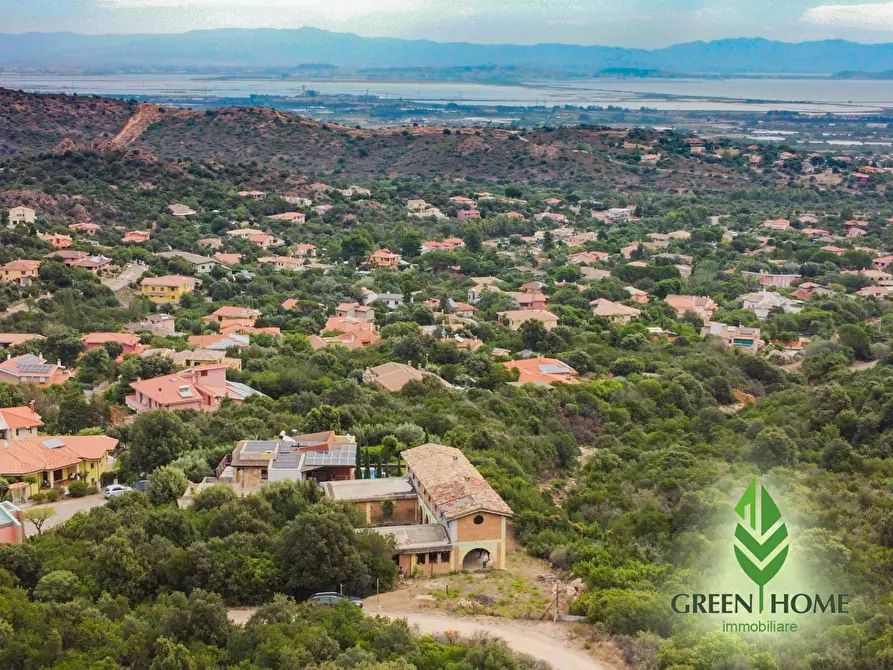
(405, 512)
(468, 531)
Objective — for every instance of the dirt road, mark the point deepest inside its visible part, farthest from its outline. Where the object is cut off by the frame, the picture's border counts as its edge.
(541, 639)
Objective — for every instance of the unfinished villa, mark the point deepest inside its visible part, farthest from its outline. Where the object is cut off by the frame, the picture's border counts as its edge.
(443, 515)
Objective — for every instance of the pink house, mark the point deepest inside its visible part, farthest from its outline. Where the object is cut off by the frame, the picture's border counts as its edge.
(202, 388)
(465, 214)
(136, 237)
(129, 341)
(12, 526)
(882, 262)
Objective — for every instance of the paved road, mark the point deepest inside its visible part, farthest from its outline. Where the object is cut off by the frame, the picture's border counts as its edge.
(543, 640)
(65, 509)
(130, 274)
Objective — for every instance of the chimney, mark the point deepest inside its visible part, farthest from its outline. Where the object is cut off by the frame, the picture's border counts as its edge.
(32, 405)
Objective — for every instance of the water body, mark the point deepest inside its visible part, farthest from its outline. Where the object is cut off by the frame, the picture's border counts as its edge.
(801, 95)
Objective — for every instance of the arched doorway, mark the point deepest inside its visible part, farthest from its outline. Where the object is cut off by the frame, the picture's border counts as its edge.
(476, 559)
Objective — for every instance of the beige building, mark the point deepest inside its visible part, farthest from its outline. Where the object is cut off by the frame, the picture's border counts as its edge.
(514, 318)
(734, 337)
(443, 515)
(21, 216)
(614, 311)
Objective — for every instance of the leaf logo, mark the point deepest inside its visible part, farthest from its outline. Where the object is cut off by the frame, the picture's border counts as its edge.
(761, 537)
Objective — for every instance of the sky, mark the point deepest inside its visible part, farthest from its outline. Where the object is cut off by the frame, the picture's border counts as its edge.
(632, 23)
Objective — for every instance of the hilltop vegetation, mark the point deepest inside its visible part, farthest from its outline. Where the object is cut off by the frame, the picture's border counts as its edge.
(285, 142)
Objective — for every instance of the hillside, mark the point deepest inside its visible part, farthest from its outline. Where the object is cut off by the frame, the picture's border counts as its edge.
(36, 123)
(30, 123)
(245, 50)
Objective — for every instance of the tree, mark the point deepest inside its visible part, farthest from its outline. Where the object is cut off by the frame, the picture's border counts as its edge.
(322, 418)
(166, 485)
(159, 437)
(317, 552)
(473, 237)
(170, 655)
(38, 516)
(59, 586)
(533, 334)
(854, 337)
(357, 245)
(96, 365)
(772, 447)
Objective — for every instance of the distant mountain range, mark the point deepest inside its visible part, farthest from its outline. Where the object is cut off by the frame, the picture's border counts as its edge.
(236, 50)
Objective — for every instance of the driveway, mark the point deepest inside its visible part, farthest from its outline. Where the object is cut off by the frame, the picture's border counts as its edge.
(129, 274)
(65, 509)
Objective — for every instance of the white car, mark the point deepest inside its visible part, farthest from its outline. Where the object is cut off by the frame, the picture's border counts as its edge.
(113, 490)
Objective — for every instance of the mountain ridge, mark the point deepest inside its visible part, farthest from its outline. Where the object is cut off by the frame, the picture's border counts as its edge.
(242, 49)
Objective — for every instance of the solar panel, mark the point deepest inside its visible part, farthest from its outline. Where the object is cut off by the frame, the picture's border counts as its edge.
(553, 369)
(53, 444)
(35, 368)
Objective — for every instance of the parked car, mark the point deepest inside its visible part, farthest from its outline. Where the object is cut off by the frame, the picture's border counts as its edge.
(332, 598)
(113, 490)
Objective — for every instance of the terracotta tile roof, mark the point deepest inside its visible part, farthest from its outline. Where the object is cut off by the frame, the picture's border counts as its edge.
(542, 371)
(37, 454)
(392, 376)
(228, 259)
(607, 308)
(29, 365)
(90, 447)
(451, 482)
(168, 280)
(126, 339)
(22, 265)
(8, 339)
(19, 417)
(235, 312)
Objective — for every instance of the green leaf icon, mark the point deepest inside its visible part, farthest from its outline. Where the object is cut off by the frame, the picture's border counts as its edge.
(761, 537)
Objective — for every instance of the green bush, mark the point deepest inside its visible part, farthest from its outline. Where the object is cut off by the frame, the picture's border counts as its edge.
(106, 478)
(53, 495)
(80, 489)
(39, 497)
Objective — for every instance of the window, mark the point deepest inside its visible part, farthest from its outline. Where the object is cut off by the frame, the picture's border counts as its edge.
(432, 557)
(478, 520)
(420, 559)
(444, 557)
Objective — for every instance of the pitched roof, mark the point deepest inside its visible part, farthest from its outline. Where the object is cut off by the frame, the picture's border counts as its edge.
(29, 364)
(127, 339)
(528, 314)
(542, 371)
(235, 312)
(8, 339)
(22, 264)
(452, 484)
(19, 417)
(604, 307)
(169, 280)
(393, 376)
(36, 454)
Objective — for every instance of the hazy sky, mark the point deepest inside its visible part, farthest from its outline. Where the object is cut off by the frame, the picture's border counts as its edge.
(642, 23)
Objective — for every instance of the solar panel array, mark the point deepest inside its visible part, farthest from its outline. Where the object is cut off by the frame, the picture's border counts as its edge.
(346, 455)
